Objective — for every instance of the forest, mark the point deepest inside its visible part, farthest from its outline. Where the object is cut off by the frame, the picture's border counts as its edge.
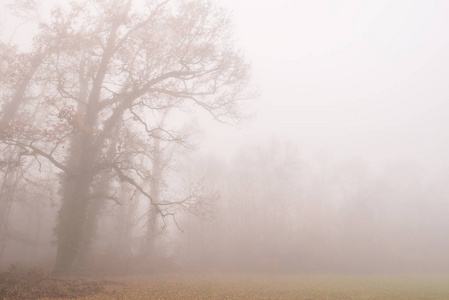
(137, 160)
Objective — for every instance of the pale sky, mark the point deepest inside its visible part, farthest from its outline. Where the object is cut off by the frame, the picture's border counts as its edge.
(354, 79)
(365, 79)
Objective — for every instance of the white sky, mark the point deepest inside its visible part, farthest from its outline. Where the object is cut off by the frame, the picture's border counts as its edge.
(355, 79)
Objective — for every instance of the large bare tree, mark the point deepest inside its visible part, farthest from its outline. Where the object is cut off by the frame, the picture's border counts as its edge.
(99, 65)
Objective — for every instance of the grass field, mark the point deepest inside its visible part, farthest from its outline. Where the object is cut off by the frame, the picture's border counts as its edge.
(278, 287)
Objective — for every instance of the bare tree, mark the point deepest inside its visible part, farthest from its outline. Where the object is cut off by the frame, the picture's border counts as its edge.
(98, 64)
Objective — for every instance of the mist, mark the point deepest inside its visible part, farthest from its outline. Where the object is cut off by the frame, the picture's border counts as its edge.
(285, 137)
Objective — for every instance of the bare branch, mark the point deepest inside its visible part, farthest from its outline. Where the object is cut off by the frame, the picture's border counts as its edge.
(105, 195)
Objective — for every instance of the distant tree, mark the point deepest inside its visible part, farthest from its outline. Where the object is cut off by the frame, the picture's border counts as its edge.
(99, 65)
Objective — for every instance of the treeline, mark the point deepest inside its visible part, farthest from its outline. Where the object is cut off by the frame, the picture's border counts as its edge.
(279, 212)
(269, 210)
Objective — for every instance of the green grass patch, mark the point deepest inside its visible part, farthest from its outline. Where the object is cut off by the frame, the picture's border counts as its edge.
(219, 286)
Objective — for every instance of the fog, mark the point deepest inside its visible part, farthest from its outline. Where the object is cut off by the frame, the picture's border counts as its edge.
(362, 79)
(327, 154)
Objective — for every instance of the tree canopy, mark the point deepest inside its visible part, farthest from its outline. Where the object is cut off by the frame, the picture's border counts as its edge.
(86, 102)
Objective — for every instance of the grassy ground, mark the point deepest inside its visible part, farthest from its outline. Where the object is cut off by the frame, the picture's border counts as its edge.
(278, 287)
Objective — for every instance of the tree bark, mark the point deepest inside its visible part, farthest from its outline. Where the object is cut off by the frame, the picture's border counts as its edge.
(75, 189)
(155, 191)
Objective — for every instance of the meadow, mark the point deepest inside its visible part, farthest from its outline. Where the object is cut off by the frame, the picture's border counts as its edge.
(219, 286)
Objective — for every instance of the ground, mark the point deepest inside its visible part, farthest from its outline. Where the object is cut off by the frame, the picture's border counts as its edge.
(232, 286)
(282, 287)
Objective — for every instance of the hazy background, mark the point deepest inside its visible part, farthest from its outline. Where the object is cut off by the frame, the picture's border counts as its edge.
(342, 166)
(363, 79)
(349, 79)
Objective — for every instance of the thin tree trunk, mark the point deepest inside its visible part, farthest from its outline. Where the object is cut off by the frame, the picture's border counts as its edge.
(37, 232)
(6, 200)
(4, 226)
(155, 190)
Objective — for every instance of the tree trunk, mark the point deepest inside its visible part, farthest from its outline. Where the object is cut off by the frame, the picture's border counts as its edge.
(75, 190)
(96, 206)
(72, 218)
(7, 190)
(155, 190)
